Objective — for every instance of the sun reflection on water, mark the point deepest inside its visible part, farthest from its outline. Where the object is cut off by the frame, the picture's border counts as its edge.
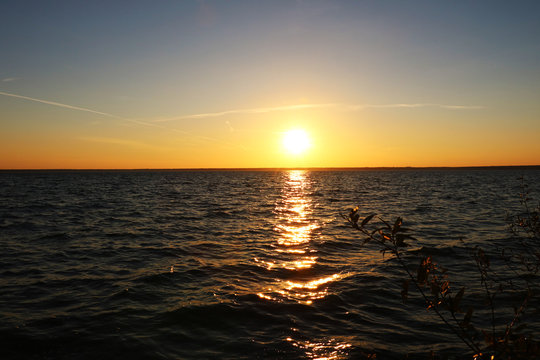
(330, 349)
(293, 261)
(294, 249)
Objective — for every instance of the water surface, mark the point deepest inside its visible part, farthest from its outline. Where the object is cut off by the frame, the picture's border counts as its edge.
(232, 264)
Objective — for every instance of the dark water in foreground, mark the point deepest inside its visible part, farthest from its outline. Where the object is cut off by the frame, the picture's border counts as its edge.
(231, 265)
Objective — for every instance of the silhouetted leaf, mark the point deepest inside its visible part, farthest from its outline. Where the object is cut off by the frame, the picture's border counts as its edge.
(457, 299)
(435, 288)
(354, 215)
(482, 258)
(423, 270)
(397, 225)
(367, 219)
(405, 291)
(467, 318)
(445, 287)
(400, 239)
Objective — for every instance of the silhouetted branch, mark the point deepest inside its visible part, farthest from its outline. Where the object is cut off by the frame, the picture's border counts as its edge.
(506, 344)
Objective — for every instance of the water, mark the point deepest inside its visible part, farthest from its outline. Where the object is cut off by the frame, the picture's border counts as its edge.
(232, 264)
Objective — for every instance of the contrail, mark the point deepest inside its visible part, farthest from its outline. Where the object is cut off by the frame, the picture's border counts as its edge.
(261, 110)
(249, 111)
(60, 105)
(346, 107)
(119, 141)
(418, 105)
(78, 108)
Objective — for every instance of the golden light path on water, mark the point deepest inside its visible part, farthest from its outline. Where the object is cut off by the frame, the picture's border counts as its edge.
(294, 251)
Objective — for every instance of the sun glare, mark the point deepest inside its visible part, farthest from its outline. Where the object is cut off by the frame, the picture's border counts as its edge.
(296, 141)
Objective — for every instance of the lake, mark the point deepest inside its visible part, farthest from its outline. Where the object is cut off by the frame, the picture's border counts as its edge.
(235, 264)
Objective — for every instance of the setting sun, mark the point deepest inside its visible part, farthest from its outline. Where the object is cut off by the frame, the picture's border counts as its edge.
(296, 141)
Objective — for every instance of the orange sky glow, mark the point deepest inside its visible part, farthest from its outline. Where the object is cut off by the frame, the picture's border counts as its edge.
(220, 85)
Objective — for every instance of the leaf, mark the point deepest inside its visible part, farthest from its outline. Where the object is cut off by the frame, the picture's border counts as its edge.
(405, 291)
(397, 225)
(457, 299)
(445, 287)
(482, 258)
(354, 216)
(467, 318)
(422, 272)
(367, 219)
(435, 288)
(400, 239)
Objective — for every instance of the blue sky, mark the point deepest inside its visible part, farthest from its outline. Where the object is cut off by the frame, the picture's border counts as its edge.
(145, 61)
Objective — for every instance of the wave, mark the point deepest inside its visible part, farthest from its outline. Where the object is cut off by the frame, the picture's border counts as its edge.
(228, 265)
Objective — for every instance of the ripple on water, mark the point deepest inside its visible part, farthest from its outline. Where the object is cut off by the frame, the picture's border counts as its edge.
(229, 265)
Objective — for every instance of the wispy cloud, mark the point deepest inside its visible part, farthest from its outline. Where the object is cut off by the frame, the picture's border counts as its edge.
(228, 123)
(339, 106)
(117, 141)
(261, 110)
(9, 79)
(78, 108)
(462, 107)
(411, 106)
(193, 137)
(54, 103)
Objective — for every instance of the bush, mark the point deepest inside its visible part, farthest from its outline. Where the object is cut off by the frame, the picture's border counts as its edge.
(512, 281)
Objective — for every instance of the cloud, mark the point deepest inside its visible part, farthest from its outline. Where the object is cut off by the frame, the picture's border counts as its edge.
(59, 104)
(412, 106)
(123, 142)
(462, 107)
(228, 123)
(199, 138)
(261, 110)
(339, 106)
(10, 79)
(78, 108)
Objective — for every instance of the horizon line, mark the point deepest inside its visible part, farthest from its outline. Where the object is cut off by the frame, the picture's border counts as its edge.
(310, 168)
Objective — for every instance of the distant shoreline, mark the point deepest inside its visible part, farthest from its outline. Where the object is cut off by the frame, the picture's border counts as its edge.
(382, 168)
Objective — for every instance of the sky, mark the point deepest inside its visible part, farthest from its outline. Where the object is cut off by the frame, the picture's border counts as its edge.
(219, 84)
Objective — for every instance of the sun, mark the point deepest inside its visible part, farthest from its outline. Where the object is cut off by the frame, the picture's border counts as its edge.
(296, 141)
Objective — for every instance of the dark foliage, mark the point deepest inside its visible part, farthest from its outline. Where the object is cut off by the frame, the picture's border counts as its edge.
(521, 259)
